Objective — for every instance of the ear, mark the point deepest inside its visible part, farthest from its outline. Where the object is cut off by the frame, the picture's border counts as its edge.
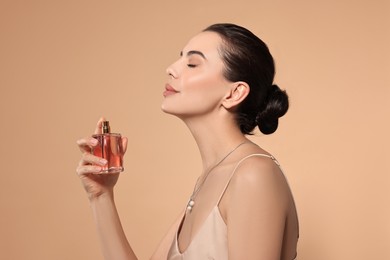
(237, 93)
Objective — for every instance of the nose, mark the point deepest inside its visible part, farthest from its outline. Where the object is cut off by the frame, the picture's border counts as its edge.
(171, 71)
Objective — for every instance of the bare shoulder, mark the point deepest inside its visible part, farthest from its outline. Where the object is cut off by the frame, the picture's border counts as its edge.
(256, 207)
(258, 171)
(258, 178)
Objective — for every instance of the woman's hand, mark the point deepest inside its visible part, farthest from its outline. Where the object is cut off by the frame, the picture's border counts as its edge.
(90, 166)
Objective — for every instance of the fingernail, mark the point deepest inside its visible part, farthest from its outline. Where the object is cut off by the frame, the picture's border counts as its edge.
(94, 141)
(103, 161)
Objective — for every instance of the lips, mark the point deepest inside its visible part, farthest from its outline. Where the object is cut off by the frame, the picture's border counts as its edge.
(169, 90)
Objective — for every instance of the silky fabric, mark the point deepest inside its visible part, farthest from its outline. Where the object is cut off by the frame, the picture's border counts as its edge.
(211, 240)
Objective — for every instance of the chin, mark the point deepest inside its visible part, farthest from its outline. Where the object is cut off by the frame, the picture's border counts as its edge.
(171, 111)
(166, 109)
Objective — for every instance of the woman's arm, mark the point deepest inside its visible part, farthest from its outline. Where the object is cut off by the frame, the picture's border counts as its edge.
(112, 237)
(99, 188)
(100, 191)
(256, 208)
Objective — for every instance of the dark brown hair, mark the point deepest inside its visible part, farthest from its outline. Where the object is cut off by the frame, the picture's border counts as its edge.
(247, 58)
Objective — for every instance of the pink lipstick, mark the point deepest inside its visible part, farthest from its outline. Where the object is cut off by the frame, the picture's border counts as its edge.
(169, 90)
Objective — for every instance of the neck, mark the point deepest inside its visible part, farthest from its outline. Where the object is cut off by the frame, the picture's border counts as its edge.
(215, 137)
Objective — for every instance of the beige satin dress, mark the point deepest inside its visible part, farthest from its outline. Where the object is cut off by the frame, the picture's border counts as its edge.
(211, 240)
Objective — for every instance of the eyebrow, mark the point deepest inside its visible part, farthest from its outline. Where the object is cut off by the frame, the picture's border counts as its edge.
(189, 53)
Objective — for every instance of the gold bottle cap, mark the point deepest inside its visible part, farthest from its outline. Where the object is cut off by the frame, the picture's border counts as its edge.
(106, 127)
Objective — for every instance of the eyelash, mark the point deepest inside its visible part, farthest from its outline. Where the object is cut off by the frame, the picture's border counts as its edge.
(191, 65)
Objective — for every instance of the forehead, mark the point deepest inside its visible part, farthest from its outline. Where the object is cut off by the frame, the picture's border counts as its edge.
(206, 42)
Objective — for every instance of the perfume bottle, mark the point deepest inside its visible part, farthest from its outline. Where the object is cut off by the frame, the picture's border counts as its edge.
(110, 148)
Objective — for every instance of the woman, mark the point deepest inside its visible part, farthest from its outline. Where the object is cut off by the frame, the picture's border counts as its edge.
(241, 206)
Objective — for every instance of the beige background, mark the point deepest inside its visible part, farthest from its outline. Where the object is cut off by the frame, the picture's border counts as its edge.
(63, 64)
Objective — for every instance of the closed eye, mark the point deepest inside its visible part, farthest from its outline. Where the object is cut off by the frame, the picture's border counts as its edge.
(192, 65)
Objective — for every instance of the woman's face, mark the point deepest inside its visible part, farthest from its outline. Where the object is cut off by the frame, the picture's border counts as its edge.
(196, 84)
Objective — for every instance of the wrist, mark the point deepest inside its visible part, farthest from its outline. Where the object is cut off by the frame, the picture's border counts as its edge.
(101, 196)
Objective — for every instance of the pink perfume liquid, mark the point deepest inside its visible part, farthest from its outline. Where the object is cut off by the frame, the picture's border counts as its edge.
(109, 148)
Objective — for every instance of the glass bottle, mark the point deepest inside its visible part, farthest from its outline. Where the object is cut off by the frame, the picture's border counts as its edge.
(110, 148)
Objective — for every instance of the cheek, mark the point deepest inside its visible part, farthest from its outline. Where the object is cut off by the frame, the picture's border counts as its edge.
(202, 84)
(204, 96)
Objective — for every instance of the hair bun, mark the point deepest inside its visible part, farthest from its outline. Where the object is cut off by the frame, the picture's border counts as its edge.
(275, 106)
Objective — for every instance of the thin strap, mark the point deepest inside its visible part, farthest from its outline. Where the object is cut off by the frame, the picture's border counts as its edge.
(238, 164)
